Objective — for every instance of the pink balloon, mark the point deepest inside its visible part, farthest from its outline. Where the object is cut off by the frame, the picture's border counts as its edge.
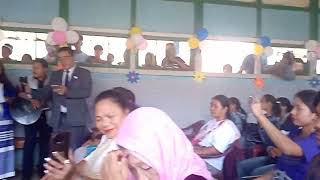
(143, 45)
(59, 37)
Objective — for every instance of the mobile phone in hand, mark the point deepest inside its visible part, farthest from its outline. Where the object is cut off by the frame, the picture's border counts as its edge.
(60, 143)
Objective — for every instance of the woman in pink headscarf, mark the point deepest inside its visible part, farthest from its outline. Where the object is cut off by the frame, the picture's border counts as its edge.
(153, 148)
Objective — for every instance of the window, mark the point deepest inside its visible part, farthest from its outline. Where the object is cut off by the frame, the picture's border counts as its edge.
(216, 54)
(113, 45)
(158, 48)
(279, 51)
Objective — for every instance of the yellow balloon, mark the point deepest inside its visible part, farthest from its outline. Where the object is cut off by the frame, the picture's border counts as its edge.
(135, 30)
(258, 49)
(193, 43)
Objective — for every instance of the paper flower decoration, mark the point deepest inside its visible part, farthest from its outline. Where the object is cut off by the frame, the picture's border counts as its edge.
(258, 82)
(314, 82)
(193, 43)
(258, 49)
(135, 30)
(133, 77)
(198, 76)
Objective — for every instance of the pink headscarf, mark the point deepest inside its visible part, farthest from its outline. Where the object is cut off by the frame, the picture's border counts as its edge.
(156, 140)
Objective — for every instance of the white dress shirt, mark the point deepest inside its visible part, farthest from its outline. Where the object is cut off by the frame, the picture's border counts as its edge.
(71, 70)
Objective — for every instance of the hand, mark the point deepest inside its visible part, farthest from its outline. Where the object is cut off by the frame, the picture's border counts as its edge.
(115, 166)
(61, 168)
(35, 103)
(61, 90)
(274, 152)
(256, 107)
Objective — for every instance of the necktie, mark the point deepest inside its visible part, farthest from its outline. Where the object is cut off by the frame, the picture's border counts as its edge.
(66, 82)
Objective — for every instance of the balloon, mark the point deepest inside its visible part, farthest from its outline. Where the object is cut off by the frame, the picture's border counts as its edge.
(193, 43)
(50, 40)
(264, 41)
(312, 56)
(137, 39)
(202, 34)
(143, 45)
(311, 45)
(135, 30)
(59, 24)
(129, 44)
(258, 49)
(59, 37)
(268, 51)
(1, 35)
(72, 37)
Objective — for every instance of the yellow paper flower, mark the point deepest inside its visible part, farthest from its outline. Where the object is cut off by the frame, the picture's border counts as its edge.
(135, 30)
(198, 76)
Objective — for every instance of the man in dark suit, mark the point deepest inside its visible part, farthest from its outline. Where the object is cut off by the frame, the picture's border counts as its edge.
(69, 88)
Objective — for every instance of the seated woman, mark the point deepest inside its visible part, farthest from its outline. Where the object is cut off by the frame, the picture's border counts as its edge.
(153, 147)
(313, 170)
(209, 141)
(259, 165)
(172, 61)
(271, 109)
(296, 150)
(286, 124)
(111, 108)
(150, 62)
(237, 115)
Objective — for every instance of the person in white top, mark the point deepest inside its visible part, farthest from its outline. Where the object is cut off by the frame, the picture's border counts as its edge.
(111, 108)
(216, 136)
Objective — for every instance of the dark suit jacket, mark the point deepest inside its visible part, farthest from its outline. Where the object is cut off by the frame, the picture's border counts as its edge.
(79, 89)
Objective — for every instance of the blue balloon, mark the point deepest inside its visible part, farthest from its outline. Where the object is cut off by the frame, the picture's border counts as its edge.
(265, 41)
(202, 34)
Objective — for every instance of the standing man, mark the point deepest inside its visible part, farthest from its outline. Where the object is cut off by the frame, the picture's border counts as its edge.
(78, 54)
(69, 88)
(37, 81)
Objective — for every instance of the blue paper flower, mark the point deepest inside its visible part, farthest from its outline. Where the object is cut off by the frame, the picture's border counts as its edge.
(314, 82)
(133, 77)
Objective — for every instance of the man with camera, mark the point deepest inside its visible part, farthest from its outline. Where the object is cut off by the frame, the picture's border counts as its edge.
(37, 81)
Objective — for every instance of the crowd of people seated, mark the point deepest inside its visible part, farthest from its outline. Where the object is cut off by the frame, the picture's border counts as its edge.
(130, 140)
